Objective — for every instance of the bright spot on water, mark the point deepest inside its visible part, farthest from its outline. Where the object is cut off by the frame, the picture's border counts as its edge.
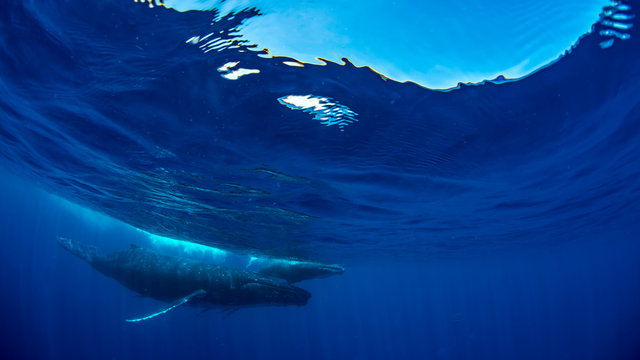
(293, 63)
(228, 66)
(323, 109)
(238, 73)
(229, 72)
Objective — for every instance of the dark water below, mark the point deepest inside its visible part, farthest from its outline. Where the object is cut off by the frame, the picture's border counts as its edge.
(571, 301)
(495, 221)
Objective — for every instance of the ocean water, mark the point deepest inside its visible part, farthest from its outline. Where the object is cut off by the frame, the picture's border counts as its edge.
(490, 220)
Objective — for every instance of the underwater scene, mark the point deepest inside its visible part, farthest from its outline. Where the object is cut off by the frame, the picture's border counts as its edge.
(253, 179)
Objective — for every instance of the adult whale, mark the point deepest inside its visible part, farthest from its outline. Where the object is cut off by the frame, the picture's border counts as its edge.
(179, 281)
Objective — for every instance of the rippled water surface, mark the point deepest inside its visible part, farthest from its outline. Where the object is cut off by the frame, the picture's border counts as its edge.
(170, 122)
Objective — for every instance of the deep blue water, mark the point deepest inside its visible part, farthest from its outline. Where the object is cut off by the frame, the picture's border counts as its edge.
(496, 220)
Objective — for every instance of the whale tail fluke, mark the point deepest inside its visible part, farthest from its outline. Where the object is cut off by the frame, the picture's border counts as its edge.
(85, 252)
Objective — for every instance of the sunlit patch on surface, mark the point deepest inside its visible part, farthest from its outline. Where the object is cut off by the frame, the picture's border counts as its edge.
(293, 63)
(229, 71)
(433, 46)
(194, 40)
(150, 2)
(617, 19)
(224, 37)
(210, 42)
(228, 66)
(223, 31)
(323, 109)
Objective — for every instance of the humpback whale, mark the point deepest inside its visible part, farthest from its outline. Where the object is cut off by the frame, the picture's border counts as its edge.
(179, 281)
(293, 270)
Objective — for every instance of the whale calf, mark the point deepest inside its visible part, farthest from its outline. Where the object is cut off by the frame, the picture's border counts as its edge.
(293, 270)
(179, 281)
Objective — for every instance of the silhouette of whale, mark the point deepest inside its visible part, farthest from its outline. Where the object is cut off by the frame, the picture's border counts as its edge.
(179, 281)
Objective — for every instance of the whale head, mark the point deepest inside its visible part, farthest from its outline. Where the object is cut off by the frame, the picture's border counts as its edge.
(294, 271)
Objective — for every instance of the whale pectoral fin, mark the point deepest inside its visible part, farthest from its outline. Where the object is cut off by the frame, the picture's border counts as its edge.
(228, 312)
(206, 309)
(171, 306)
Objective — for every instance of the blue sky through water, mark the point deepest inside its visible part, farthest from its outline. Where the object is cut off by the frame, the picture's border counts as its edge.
(434, 43)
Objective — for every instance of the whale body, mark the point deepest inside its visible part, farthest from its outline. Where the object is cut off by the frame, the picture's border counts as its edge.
(178, 280)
